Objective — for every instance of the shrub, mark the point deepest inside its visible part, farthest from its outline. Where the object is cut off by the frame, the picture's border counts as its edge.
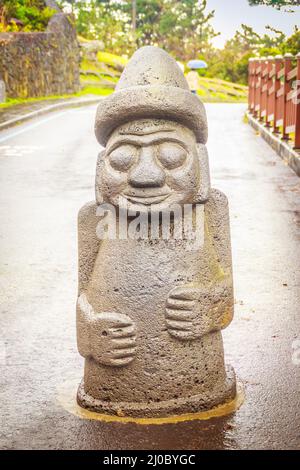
(24, 15)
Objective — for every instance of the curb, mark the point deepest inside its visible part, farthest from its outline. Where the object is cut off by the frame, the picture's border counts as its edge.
(287, 153)
(48, 109)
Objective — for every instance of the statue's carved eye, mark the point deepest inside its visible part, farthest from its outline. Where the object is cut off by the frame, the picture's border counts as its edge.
(171, 155)
(123, 157)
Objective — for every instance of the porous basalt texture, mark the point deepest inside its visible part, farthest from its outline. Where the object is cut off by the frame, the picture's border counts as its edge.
(150, 310)
(143, 93)
(223, 392)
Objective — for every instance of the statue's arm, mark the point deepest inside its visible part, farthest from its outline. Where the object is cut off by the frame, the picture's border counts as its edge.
(218, 228)
(200, 308)
(108, 337)
(88, 244)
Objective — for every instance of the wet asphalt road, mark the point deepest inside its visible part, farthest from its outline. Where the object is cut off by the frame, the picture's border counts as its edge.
(46, 174)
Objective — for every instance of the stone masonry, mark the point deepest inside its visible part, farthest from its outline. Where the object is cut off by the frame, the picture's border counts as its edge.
(41, 63)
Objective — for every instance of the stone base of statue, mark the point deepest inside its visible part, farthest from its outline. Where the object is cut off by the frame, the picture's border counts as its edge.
(219, 394)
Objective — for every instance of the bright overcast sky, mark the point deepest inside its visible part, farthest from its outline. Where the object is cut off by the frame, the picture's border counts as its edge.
(229, 14)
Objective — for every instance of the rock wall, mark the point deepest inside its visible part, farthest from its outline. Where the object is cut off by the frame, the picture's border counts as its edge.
(41, 64)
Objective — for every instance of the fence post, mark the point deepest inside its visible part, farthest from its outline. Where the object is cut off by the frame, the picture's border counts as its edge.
(297, 102)
(278, 62)
(257, 88)
(287, 88)
(262, 81)
(250, 83)
(271, 63)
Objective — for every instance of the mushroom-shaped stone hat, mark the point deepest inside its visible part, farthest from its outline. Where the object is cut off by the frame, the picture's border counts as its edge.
(151, 86)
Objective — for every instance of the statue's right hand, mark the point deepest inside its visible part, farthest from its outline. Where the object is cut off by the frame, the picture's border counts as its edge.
(113, 339)
(108, 337)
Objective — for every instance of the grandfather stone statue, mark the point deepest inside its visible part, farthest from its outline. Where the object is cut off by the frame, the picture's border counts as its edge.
(150, 309)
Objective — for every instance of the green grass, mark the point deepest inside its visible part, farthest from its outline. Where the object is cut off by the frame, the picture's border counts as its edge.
(219, 91)
(104, 79)
(94, 90)
(15, 101)
(89, 65)
(104, 72)
(112, 60)
(88, 90)
(89, 78)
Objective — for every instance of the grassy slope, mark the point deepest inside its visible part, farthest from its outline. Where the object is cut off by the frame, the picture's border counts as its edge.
(216, 90)
(108, 68)
(100, 77)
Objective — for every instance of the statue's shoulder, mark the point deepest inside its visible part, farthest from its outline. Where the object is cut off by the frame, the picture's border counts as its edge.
(216, 209)
(87, 211)
(217, 199)
(87, 216)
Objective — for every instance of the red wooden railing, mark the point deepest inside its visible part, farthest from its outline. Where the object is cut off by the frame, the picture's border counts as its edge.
(274, 94)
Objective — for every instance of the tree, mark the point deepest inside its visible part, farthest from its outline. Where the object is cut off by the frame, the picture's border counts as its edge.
(148, 15)
(181, 27)
(292, 44)
(231, 63)
(185, 28)
(102, 20)
(275, 3)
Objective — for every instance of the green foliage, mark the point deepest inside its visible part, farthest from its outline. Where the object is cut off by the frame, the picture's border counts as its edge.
(292, 44)
(24, 15)
(102, 20)
(275, 3)
(231, 63)
(182, 27)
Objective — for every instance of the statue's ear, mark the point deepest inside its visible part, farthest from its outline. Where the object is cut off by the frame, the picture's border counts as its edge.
(98, 180)
(204, 182)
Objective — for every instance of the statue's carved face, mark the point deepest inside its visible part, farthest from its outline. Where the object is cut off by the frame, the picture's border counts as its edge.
(149, 162)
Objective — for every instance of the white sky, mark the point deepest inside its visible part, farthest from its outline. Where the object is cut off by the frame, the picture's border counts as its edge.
(229, 14)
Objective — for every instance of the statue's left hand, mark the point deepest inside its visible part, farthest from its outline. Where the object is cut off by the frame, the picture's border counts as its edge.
(187, 313)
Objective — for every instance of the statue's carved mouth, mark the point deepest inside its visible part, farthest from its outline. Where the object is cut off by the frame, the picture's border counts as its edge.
(146, 199)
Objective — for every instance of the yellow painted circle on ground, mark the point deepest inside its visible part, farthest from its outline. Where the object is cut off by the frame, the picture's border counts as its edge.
(67, 399)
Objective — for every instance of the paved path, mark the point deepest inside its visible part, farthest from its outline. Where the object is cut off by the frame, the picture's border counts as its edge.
(46, 174)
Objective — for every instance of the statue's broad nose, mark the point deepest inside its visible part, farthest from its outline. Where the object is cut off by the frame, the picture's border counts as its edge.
(147, 172)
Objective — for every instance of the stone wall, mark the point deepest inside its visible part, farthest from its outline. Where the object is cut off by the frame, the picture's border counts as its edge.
(41, 64)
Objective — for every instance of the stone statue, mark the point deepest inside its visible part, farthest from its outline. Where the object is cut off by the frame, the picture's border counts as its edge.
(149, 312)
